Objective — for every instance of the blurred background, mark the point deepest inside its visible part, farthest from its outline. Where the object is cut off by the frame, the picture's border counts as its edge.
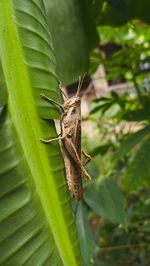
(110, 41)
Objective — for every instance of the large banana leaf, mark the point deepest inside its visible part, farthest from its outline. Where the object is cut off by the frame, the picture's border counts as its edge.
(74, 36)
(36, 221)
(3, 91)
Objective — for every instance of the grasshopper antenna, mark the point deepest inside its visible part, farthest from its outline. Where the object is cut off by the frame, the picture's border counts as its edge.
(80, 84)
(65, 95)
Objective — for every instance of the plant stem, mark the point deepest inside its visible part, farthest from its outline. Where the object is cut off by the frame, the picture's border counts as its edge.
(137, 88)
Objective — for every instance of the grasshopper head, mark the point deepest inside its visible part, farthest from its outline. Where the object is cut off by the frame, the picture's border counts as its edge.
(72, 102)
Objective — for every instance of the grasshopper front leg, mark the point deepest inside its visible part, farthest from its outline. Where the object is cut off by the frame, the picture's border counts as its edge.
(46, 141)
(51, 101)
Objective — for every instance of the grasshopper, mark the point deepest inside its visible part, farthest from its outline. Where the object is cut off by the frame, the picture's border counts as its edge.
(70, 125)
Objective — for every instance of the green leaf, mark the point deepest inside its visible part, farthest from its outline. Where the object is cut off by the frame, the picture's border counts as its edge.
(102, 149)
(103, 107)
(25, 236)
(36, 221)
(107, 200)
(74, 35)
(137, 115)
(3, 90)
(130, 141)
(138, 171)
(85, 236)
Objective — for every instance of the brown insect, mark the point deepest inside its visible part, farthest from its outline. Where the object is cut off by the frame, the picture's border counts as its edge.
(70, 135)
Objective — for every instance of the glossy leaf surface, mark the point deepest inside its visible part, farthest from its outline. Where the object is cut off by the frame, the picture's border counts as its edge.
(36, 222)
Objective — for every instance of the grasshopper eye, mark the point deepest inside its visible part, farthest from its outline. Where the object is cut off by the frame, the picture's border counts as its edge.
(78, 99)
(73, 111)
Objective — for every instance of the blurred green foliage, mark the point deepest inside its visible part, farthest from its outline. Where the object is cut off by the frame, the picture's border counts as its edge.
(117, 199)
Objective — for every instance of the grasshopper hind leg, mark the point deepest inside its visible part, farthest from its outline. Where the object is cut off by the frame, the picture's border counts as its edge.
(76, 189)
(78, 192)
